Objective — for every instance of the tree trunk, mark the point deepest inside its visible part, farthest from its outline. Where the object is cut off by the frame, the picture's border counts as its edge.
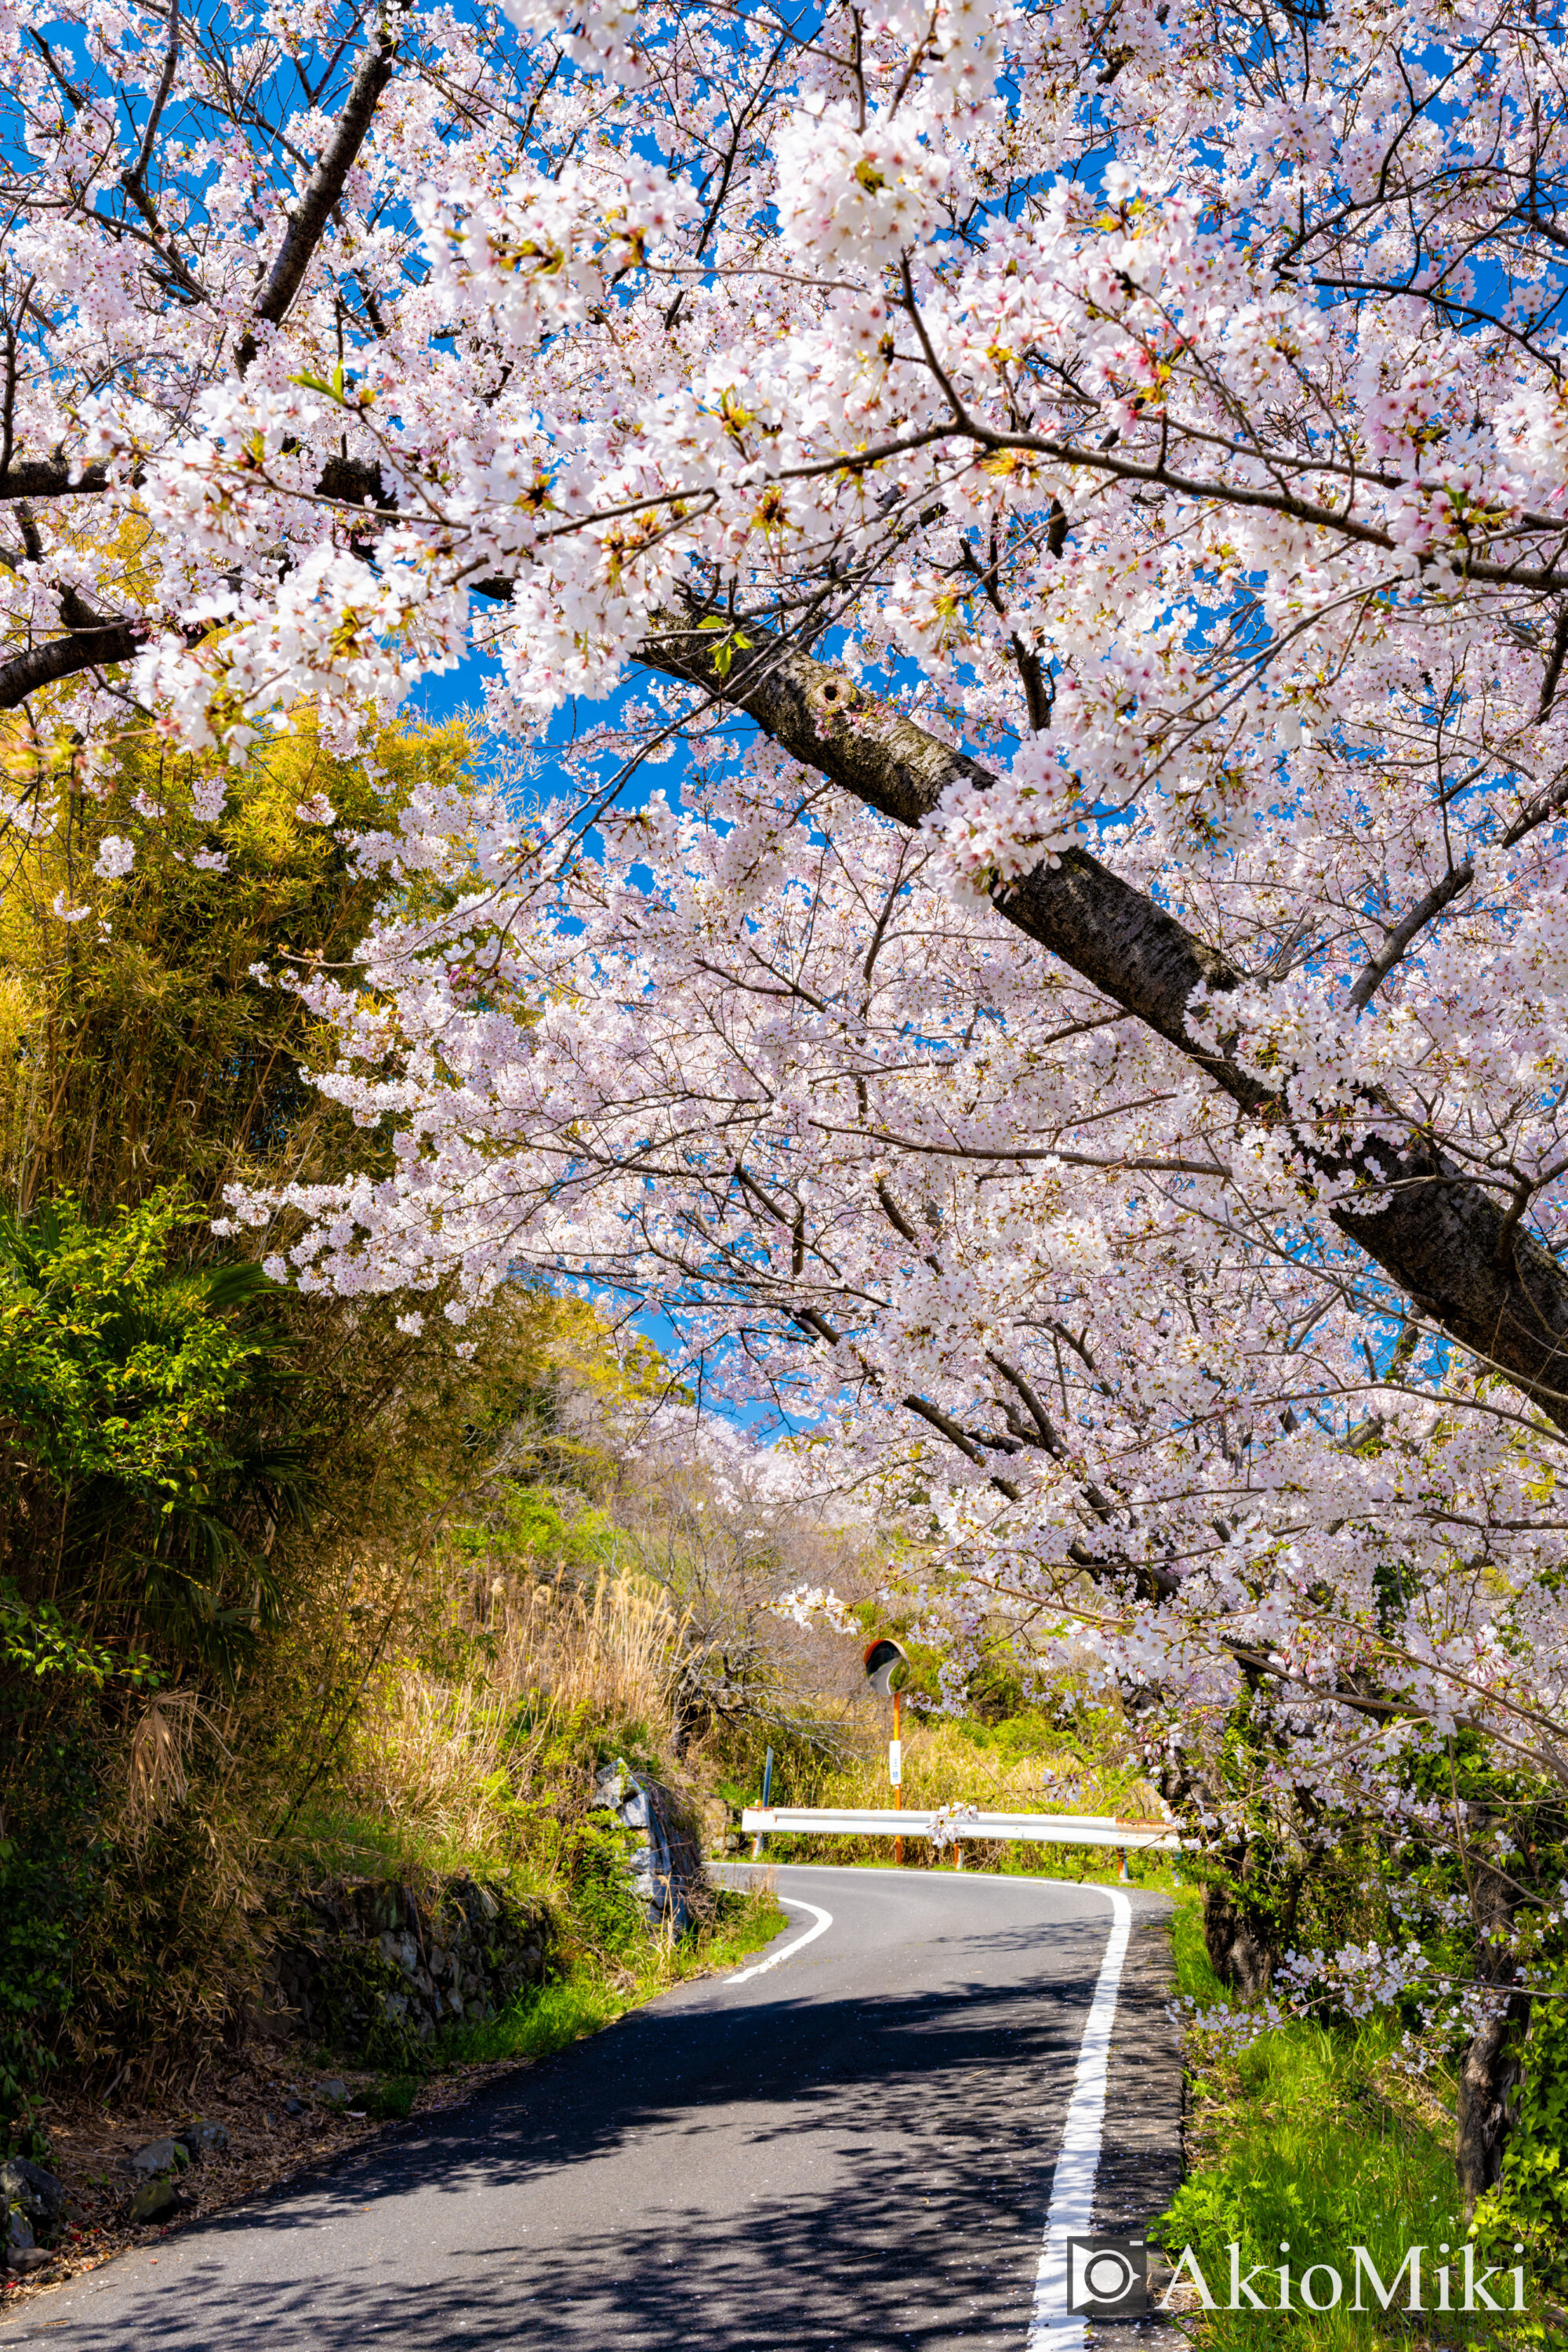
(1250, 1918)
(1489, 2099)
(1239, 1944)
(1493, 2065)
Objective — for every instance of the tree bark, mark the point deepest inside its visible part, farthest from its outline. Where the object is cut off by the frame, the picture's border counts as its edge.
(1240, 1948)
(1442, 1237)
(1493, 2067)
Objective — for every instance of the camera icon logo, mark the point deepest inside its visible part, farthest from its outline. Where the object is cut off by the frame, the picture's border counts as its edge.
(1107, 2277)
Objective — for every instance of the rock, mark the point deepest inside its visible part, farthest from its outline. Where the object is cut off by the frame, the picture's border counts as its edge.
(334, 2089)
(634, 1812)
(160, 2156)
(30, 2258)
(610, 1783)
(293, 2106)
(40, 2196)
(202, 2140)
(18, 2232)
(158, 2198)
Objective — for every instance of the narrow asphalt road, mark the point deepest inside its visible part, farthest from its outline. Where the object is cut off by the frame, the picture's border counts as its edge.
(852, 2148)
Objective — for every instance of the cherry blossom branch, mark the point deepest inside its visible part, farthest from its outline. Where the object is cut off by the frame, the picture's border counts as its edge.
(1434, 1230)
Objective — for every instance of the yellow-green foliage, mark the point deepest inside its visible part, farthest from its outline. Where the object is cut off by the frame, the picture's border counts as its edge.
(138, 1046)
(340, 1497)
(349, 1601)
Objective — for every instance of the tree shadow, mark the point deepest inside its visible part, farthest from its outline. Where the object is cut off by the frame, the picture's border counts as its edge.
(713, 2174)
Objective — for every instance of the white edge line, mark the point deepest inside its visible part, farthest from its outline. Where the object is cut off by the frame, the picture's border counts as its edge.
(824, 1921)
(1071, 2212)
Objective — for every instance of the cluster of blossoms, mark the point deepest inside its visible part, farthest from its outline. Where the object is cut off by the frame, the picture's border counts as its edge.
(1156, 424)
(993, 834)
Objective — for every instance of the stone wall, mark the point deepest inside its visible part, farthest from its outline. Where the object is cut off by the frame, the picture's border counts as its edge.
(371, 1969)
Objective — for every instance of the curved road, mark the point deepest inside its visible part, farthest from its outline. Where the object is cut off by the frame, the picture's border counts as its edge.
(851, 2146)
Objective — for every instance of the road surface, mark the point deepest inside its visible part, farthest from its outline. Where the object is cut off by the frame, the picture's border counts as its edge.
(850, 2149)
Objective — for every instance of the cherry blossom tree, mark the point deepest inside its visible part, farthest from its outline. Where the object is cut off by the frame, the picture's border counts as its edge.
(1078, 493)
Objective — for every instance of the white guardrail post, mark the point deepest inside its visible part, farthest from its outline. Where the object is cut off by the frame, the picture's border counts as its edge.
(1003, 1829)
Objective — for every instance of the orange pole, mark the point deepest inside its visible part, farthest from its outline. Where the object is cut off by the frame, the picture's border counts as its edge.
(899, 1791)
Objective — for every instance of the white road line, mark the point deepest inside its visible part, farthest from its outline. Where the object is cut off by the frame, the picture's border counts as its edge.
(1054, 2329)
(792, 1902)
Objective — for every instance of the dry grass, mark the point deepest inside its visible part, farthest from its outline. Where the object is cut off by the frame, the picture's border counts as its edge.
(451, 1760)
(943, 1768)
(609, 1654)
(157, 1771)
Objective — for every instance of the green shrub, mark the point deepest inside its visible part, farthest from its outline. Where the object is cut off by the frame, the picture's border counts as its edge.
(50, 1865)
(605, 1914)
(43, 1892)
(134, 1394)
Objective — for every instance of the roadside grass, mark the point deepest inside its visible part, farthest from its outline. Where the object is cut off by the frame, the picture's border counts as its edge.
(329, 1841)
(1315, 2138)
(1081, 1866)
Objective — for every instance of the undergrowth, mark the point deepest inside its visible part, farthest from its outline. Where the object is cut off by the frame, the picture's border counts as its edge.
(1316, 2138)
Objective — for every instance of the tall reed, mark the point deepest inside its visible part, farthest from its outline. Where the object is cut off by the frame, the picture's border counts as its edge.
(449, 1760)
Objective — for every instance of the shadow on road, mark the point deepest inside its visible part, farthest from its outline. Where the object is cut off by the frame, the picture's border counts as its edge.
(782, 2171)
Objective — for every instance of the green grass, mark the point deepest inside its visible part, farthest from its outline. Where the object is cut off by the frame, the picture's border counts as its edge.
(324, 1841)
(544, 2018)
(547, 2018)
(1312, 2137)
(391, 2100)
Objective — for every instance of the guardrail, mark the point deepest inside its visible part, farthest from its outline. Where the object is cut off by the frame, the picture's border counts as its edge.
(968, 1828)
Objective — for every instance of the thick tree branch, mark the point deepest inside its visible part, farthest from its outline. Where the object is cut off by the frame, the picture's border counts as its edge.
(325, 186)
(50, 477)
(1433, 1229)
(1441, 894)
(92, 648)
